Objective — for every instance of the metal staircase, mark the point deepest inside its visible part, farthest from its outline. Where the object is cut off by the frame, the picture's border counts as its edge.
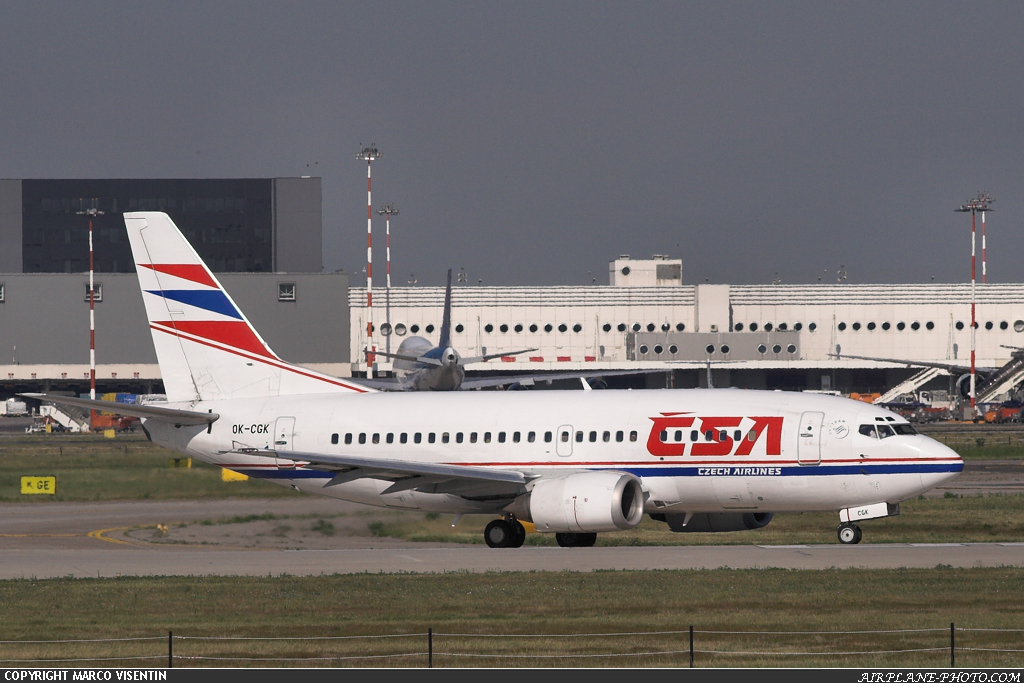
(911, 384)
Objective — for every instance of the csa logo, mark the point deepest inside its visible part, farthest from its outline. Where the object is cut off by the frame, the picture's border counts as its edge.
(671, 434)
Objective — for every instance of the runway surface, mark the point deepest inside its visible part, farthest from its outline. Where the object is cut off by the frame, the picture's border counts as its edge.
(47, 540)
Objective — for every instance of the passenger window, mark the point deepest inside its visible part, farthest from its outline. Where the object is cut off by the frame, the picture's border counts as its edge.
(619, 436)
(565, 437)
(663, 436)
(430, 437)
(391, 437)
(606, 437)
(515, 437)
(547, 437)
(458, 437)
(709, 435)
(679, 435)
(472, 437)
(348, 438)
(531, 437)
(501, 437)
(632, 436)
(403, 438)
(868, 430)
(487, 437)
(694, 435)
(723, 436)
(362, 437)
(376, 438)
(737, 435)
(445, 437)
(579, 437)
(417, 437)
(752, 435)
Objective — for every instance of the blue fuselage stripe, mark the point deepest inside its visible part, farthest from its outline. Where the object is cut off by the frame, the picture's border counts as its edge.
(692, 471)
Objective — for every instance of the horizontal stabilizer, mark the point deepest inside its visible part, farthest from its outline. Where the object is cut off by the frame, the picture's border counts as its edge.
(149, 412)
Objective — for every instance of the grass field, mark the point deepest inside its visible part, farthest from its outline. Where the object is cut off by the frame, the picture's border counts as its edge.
(529, 619)
(887, 618)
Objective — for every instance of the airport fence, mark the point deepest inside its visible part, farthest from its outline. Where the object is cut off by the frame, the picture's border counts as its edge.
(692, 647)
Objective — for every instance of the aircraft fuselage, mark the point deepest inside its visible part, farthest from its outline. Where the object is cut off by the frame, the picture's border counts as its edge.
(703, 450)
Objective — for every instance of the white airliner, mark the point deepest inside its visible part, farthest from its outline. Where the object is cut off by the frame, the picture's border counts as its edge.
(420, 366)
(574, 463)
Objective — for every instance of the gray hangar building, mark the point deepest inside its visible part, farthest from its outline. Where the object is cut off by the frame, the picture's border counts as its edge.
(262, 236)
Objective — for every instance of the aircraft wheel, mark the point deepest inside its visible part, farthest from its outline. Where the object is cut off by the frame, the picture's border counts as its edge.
(576, 540)
(518, 535)
(500, 534)
(849, 534)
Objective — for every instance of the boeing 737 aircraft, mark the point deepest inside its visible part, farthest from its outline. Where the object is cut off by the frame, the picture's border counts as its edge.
(574, 463)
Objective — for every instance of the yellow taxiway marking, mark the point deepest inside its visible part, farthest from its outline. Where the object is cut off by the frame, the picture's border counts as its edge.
(39, 535)
(99, 535)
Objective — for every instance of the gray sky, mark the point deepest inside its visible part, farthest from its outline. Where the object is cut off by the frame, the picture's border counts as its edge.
(532, 142)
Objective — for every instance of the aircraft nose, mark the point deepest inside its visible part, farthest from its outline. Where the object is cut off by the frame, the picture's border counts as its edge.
(941, 463)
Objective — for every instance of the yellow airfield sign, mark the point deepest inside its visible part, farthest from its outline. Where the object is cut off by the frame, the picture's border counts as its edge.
(35, 485)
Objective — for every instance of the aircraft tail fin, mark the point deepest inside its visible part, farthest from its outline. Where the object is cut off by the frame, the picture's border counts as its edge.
(206, 347)
(446, 320)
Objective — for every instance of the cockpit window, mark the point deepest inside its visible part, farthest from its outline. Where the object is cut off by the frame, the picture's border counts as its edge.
(868, 430)
(904, 428)
(884, 431)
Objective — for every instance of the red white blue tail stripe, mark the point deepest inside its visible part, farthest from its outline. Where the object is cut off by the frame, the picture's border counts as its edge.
(206, 347)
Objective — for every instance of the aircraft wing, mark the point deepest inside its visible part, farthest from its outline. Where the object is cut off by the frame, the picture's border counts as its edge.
(149, 412)
(405, 474)
(528, 380)
(380, 383)
(492, 356)
(400, 356)
(950, 367)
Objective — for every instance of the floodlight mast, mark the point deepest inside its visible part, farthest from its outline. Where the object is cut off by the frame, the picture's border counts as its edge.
(91, 212)
(369, 154)
(979, 203)
(388, 210)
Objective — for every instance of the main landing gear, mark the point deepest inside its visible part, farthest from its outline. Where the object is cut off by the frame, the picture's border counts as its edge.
(849, 534)
(505, 533)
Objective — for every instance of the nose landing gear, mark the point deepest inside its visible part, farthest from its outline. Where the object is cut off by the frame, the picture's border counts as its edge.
(505, 533)
(849, 534)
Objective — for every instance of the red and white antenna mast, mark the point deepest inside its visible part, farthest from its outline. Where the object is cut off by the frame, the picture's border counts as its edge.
(91, 212)
(388, 210)
(369, 154)
(979, 203)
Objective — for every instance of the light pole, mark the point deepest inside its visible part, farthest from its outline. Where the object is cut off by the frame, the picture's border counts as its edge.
(91, 213)
(388, 210)
(369, 154)
(978, 203)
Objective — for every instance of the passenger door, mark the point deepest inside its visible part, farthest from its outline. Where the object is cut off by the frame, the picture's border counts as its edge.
(808, 451)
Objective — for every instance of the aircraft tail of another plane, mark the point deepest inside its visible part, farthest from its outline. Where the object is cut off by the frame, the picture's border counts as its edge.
(206, 347)
(446, 318)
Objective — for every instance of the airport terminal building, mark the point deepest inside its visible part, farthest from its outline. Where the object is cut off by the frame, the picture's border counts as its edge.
(791, 337)
(263, 237)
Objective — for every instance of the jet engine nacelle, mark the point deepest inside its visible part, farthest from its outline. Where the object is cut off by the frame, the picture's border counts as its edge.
(716, 521)
(583, 503)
